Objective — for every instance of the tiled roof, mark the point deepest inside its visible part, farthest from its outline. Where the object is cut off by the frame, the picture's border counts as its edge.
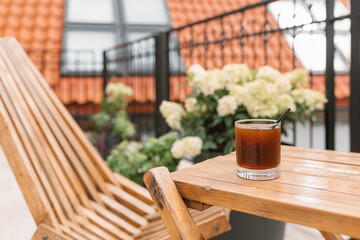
(342, 88)
(183, 12)
(38, 25)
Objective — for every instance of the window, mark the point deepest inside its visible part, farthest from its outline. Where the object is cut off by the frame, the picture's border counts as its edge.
(151, 12)
(91, 26)
(85, 48)
(310, 42)
(90, 11)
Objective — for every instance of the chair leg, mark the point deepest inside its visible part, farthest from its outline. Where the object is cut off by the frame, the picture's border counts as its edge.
(170, 205)
(331, 236)
(45, 232)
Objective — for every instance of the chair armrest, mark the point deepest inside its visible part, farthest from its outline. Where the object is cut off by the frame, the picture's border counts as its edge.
(46, 232)
(170, 205)
(134, 189)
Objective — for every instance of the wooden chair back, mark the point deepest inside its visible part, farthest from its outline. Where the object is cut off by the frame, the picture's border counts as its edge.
(66, 184)
(65, 179)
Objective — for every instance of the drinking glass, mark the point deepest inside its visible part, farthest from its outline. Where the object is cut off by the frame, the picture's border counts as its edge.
(258, 147)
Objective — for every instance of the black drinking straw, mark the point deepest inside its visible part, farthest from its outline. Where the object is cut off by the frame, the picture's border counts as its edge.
(281, 117)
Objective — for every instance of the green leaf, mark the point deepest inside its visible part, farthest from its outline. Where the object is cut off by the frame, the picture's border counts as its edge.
(229, 147)
(217, 119)
(230, 132)
(229, 122)
(220, 139)
(209, 145)
(200, 132)
(241, 116)
(132, 159)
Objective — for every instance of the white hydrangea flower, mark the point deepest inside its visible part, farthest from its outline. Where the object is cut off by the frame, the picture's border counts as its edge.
(187, 146)
(178, 149)
(315, 100)
(172, 112)
(268, 72)
(227, 105)
(259, 90)
(190, 104)
(114, 90)
(285, 101)
(174, 122)
(193, 145)
(238, 92)
(298, 77)
(198, 73)
(212, 81)
(236, 73)
(262, 109)
(283, 85)
(260, 98)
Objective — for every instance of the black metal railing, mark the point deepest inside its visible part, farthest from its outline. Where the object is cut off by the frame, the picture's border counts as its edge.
(75, 76)
(134, 65)
(256, 35)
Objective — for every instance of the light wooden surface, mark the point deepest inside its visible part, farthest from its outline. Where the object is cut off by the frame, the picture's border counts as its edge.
(170, 205)
(45, 232)
(318, 189)
(68, 187)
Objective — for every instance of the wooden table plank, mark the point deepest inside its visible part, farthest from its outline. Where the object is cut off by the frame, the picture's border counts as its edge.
(293, 174)
(320, 155)
(276, 185)
(319, 191)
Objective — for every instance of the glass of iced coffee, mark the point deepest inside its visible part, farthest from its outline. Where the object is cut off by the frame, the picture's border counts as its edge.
(258, 147)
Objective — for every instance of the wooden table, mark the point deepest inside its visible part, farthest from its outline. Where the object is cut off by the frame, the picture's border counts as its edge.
(317, 188)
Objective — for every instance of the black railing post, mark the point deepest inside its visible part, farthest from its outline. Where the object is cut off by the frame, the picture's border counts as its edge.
(355, 77)
(161, 79)
(329, 77)
(105, 73)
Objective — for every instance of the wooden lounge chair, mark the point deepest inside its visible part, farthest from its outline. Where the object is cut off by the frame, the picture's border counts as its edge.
(68, 188)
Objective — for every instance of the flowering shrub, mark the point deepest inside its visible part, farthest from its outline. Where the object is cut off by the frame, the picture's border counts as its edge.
(220, 97)
(113, 119)
(132, 159)
(188, 146)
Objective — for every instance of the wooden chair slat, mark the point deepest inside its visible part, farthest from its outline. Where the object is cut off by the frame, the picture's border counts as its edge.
(82, 231)
(88, 164)
(102, 234)
(123, 211)
(134, 189)
(153, 228)
(105, 225)
(331, 236)
(41, 146)
(58, 154)
(131, 202)
(67, 149)
(153, 217)
(72, 234)
(160, 234)
(44, 230)
(115, 219)
(33, 156)
(78, 133)
(25, 174)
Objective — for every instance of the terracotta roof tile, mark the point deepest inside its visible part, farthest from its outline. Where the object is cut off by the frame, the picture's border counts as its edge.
(38, 24)
(342, 87)
(279, 53)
